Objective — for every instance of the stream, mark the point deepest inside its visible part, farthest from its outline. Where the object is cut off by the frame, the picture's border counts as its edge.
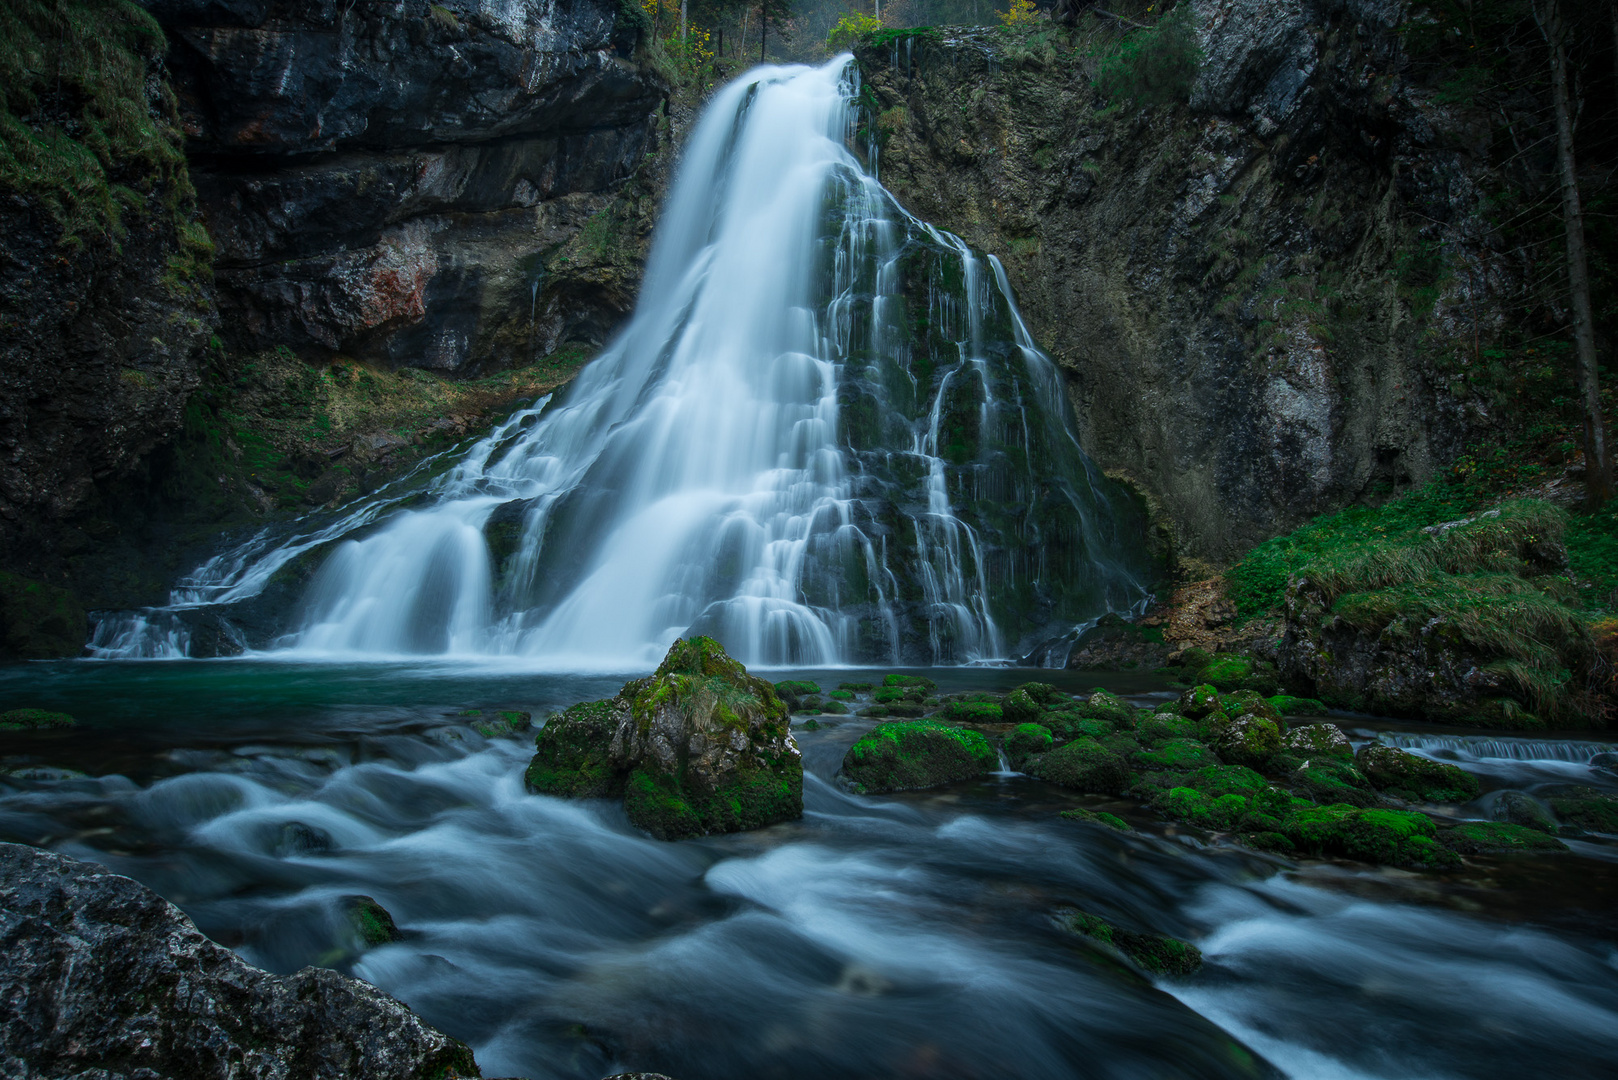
(897, 936)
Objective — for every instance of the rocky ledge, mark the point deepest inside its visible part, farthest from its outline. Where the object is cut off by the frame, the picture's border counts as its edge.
(101, 977)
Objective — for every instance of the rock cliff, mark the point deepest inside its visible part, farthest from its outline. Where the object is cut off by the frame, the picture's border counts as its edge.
(386, 181)
(1240, 288)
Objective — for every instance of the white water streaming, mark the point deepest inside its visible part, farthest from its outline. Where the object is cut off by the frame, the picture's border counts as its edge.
(699, 476)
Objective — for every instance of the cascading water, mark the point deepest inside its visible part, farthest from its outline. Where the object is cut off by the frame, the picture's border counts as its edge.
(824, 437)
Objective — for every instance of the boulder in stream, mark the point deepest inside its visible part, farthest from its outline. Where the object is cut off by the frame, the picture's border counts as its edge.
(916, 754)
(1418, 779)
(101, 977)
(698, 747)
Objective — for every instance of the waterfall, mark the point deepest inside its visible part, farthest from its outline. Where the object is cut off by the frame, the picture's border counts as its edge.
(825, 436)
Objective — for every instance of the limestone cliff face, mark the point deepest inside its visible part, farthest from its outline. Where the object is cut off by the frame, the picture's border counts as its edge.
(1238, 289)
(386, 181)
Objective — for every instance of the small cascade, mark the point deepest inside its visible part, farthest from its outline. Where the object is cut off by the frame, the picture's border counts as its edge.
(1484, 747)
(825, 436)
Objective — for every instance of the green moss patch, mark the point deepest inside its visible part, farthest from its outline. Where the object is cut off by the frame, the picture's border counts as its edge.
(1154, 953)
(1097, 817)
(573, 754)
(1086, 765)
(1497, 837)
(916, 754)
(34, 720)
(1408, 776)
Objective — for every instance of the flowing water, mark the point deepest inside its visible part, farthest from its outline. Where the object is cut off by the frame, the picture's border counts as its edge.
(825, 436)
(878, 937)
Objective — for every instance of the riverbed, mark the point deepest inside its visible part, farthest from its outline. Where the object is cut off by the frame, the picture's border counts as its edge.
(905, 936)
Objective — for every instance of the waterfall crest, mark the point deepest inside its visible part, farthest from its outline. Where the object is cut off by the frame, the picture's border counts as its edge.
(824, 437)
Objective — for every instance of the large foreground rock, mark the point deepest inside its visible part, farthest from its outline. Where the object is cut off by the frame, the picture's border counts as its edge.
(102, 978)
(699, 747)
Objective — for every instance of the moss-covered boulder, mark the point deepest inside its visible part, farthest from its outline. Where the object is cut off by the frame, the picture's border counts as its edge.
(500, 722)
(1026, 740)
(1067, 726)
(1230, 672)
(1318, 740)
(1154, 953)
(1584, 808)
(370, 921)
(1247, 740)
(904, 689)
(1199, 702)
(699, 747)
(1155, 728)
(1287, 705)
(39, 621)
(1021, 708)
(972, 712)
(1045, 694)
(1417, 779)
(1086, 765)
(1101, 705)
(1520, 808)
(1391, 837)
(916, 754)
(1497, 837)
(1330, 779)
(1183, 755)
(34, 720)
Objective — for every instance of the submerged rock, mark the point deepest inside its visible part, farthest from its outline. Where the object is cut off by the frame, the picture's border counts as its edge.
(101, 977)
(699, 747)
(1097, 817)
(1522, 809)
(372, 922)
(1407, 776)
(1158, 954)
(34, 720)
(1493, 837)
(916, 754)
(1585, 808)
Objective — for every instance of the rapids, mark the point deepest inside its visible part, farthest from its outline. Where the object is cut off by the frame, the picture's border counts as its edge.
(824, 437)
(906, 935)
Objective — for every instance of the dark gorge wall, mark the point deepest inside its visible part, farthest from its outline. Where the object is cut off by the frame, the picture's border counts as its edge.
(384, 181)
(1238, 288)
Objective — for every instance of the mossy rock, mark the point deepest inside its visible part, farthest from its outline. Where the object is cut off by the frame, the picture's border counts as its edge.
(911, 682)
(1249, 703)
(1097, 817)
(1586, 808)
(744, 799)
(34, 720)
(1179, 754)
(1390, 837)
(1160, 727)
(1026, 740)
(1229, 672)
(1086, 765)
(1519, 808)
(1045, 694)
(1157, 954)
(899, 695)
(1329, 779)
(1416, 779)
(1318, 740)
(502, 723)
(834, 708)
(1287, 705)
(1497, 837)
(842, 695)
(1021, 708)
(1101, 705)
(857, 687)
(573, 753)
(973, 712)
(1066, 726)
(875, 712)
(371, 922)
(916, 754)
(1248, 740)
(1199, 702)
(796, 688)
(39, 621)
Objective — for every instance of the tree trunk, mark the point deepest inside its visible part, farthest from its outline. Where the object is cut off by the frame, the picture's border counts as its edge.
(763, 27)
(682, 21)
(1597, 462)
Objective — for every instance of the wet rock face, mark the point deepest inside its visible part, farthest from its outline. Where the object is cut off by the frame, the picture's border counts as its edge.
(1219, 280)
(699, 747)
(100, 976)
(384, 180)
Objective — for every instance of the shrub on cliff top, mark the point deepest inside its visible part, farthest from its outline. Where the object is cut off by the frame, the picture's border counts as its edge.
(1152, 66)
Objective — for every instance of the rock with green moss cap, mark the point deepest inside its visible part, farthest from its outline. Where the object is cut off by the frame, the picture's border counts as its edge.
(34, 720)
(1331, 779)
(1318, 740)
(1182, 755)
(972, 712)
(1026, 740)
(1417, 779)
(1520, 808)
(1021, 708)
(1086, 765)
(1229, 672)
(1097, 817)
(1045, 694)
(1247, 740)
(1161, 727)
(1392, 837)
(1157, 954)
(699, 747)
(371, 922)
(1101, 705)
(1497, 838)
(1287, 705)
(1584, 808)
(916, 754)
(1199, 702)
